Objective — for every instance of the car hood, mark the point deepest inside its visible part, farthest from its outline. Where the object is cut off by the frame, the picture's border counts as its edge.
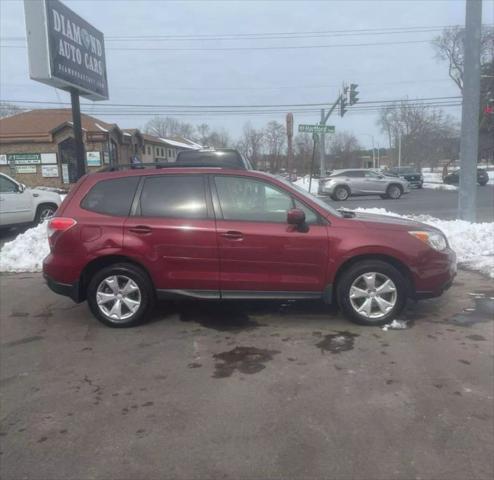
(373, 220)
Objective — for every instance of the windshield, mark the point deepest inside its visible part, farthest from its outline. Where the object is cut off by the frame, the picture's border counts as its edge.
(328, 208)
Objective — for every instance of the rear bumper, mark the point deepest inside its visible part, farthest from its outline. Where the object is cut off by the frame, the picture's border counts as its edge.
(68, 290)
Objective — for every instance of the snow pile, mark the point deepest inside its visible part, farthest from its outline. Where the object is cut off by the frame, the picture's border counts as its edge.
(26, 252)
(472, 242)
(432, 177)
(303, 182)
(395, 325)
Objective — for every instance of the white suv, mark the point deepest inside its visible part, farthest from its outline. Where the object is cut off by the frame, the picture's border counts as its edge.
(20, 205)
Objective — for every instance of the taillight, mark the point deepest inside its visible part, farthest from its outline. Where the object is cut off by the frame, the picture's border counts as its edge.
(58, 225)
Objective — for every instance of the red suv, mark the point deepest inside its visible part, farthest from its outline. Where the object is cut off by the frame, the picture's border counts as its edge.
(122, 239)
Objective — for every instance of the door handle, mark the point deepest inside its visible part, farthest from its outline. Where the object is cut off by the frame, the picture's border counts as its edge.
(141, 229)
(232, 235)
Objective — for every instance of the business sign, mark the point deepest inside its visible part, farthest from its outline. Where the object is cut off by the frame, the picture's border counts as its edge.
(93, 159)
(64, 50)
(47, 158)
(25, 169)
(3, 159)
(49, 171)
(316, 128)
(65, 173)
(24, 158)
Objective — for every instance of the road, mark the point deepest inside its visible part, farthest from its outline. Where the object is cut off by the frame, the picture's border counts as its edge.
(442, 204)
(259, 390)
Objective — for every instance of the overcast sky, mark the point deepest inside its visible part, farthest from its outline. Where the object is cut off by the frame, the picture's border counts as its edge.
(247, 77)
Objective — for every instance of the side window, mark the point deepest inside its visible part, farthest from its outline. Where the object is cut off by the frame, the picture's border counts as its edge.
(311, 217)
(371, 175)
(7, 186)
(354, 174)
(111, 197)
(251, 200)
(174, 196)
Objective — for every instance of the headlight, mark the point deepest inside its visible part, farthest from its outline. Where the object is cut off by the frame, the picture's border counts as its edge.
(436, 240)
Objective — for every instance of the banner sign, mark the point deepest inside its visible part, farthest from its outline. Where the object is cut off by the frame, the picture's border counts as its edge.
(48, 158)
(64, 50)
(24, 158)
(25, 169)
(49, 171)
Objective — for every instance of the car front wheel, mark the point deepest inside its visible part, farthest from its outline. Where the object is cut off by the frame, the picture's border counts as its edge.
(394, 192)
(372, 292)
(44, 212)
(120, 295)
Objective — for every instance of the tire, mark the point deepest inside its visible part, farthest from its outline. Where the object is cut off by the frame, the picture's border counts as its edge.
(380, 312)
(340, 194)
(420, 186)
(384, 196)
(103, 284)
(483, 184)
(44, 212)
(394, 192)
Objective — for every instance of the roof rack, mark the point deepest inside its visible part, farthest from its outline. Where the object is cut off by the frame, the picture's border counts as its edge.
(140, 166)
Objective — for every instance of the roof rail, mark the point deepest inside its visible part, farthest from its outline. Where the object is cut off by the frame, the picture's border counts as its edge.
(140, 166)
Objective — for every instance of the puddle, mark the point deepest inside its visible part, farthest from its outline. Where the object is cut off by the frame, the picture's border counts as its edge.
(337, 342)
(246, 360)
(481, 312)
(218, 318)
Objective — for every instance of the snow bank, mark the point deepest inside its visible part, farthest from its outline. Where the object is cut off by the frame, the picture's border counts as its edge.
(303, 182)
(439, 186)
(432, 177)
(26, 252)
(472, 242)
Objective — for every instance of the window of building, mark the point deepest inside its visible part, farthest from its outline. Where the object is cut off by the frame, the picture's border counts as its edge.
(149, 150)
(174, 196)
(111, 197)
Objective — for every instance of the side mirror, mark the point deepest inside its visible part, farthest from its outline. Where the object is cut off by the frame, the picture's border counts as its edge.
(295, 216)
(21, 187)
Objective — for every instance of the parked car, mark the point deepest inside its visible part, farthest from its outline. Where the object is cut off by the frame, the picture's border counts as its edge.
(221, 157)
(20, 205)
(410, 174)
(453, 178)
(342, 184)
(122, 239)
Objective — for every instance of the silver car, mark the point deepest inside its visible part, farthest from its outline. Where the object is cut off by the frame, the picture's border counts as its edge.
(342, 184)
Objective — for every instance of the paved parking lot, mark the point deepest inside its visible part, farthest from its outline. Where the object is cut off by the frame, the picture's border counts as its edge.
(259, 390)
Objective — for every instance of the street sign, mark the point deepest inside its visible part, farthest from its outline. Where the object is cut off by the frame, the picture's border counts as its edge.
(316, 128)
(64, 50)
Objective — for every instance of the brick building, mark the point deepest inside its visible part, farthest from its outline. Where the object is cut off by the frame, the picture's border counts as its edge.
(38, 148)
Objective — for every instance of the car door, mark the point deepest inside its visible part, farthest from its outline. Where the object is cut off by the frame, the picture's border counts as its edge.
(374, 183)
(172, 229)
(16, 203)
(260, 254)
(355, 179)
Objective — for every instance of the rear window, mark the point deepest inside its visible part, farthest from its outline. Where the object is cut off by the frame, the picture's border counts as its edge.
(220, 158)
(174, 196)
(111, 197)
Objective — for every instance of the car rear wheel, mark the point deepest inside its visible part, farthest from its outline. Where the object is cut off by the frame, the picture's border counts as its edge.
(372, 292)
(120, 295)
(394, 192)
(44, 212)
(340, 194)
(483, 183)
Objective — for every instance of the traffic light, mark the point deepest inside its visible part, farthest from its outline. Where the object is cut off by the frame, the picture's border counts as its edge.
(343, 101)
(353, 96)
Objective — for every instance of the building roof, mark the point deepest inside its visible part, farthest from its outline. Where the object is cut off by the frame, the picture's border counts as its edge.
(177, 142)
(43, 122)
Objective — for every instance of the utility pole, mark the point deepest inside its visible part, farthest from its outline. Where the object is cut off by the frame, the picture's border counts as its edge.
(469, 143)
(399, 149)
(322, 147)
(79, 143)
(289, 133)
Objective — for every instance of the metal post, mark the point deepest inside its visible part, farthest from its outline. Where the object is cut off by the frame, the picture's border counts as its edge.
(77, 127)
(314, 146)
(322, 149)
(469, 142)
(378, 156)
(399, 149)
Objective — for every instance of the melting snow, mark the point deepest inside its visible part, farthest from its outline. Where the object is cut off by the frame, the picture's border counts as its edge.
(395, 325)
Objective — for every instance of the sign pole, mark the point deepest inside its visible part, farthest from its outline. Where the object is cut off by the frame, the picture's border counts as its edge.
(79, 144)
(314, 148)
(321, 146)
(289, 133)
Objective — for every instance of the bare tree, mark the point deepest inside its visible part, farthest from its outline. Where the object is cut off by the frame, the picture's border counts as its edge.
(275, 134)
(217, 139)
(449, 47)
(9, 109)
(251, 144)
(203, 130)
(426, 133)
(303, 152)
(169, 127)
(344, 150)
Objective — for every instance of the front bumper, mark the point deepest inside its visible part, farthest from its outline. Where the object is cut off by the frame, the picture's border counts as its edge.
(437, 277)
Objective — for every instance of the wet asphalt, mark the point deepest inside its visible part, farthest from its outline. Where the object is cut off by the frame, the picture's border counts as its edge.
(246, 390)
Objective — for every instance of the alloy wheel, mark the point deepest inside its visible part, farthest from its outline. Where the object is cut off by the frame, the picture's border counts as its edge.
(373, 295)
(118, 297)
